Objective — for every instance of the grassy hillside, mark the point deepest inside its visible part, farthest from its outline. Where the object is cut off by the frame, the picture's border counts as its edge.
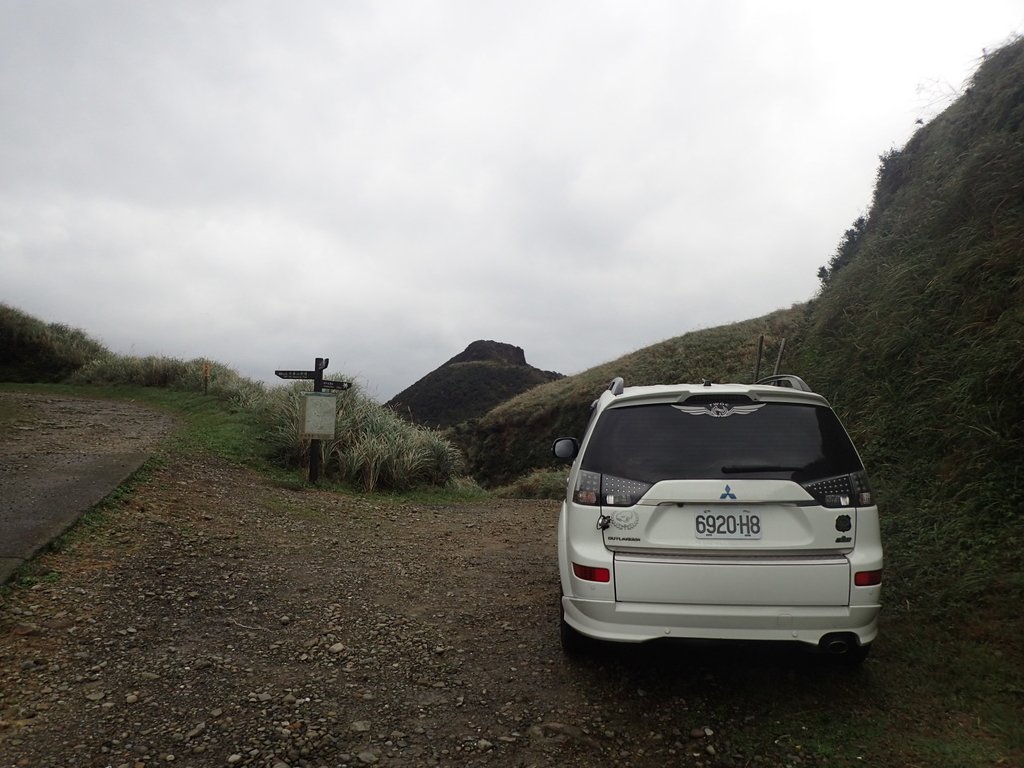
(516, 436)
(31, 350)
(917, 337)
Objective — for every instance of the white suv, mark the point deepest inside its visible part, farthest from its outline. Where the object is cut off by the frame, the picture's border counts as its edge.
(721, 512)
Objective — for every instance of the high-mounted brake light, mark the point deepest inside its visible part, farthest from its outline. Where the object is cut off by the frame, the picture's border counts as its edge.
(589, 573)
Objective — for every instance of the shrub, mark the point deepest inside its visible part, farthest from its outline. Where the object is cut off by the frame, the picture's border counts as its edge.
(373, 449)
(40, 352)
(539, 484)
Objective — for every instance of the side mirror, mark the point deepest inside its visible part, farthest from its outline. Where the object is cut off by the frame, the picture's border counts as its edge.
(565, 448)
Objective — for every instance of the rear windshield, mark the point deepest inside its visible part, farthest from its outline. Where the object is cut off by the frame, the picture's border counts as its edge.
(784, 441)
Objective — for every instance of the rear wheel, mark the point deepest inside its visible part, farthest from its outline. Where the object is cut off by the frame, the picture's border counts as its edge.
(573, 643)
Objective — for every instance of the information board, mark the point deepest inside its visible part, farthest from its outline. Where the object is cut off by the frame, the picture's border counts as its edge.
(318, 415)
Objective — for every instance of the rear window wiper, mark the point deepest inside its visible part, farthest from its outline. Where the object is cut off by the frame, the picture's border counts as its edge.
(736, 469)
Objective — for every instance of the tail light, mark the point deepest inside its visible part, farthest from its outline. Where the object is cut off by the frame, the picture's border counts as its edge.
(851, 490)
(867, 578)
(595, 489)
(589, 573)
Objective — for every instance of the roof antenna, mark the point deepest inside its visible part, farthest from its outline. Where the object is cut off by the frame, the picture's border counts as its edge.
(757, 365)
(782, 348)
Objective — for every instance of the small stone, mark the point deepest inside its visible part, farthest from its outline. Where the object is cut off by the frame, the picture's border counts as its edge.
(483, 745)
(235, 758)
(360, 726)
(286, 619)
(131, 698)
(289, 699)
(710, 749)
(367, 758)
(336, 648)
(95, 695)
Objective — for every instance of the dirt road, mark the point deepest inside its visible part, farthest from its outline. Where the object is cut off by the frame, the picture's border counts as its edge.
(215, 619)
(58, 457)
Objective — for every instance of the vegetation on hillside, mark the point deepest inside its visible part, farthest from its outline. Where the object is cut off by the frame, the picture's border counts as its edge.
(485, 374)
(31, 350)
(918, 337)
(515, 437)
(374, 449)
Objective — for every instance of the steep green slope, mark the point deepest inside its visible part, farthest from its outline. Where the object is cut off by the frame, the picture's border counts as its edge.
(918, 336)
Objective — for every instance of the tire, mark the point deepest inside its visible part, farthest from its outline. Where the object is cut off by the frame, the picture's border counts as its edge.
(573, 643)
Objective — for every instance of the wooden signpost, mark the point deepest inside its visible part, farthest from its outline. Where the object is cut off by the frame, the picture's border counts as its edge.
(317, 413)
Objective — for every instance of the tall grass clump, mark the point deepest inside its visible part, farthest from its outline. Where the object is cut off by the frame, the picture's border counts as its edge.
(173, 373)
(539, 484)
(374, 449)
(34, 351)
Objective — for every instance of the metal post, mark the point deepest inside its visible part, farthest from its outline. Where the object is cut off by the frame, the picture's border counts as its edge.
(757, 365)
(314, 445)
(778, 360)
(319, 385)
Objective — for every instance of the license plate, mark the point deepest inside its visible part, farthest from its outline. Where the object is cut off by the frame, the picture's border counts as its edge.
(731, 525)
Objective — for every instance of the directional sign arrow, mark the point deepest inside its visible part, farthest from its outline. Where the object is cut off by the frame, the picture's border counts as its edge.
(295, 374)
(337, 385)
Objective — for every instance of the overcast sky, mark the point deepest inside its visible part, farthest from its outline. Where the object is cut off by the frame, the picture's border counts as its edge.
(382, 183)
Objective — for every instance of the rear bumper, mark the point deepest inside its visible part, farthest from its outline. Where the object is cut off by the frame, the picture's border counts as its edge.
(638, 622)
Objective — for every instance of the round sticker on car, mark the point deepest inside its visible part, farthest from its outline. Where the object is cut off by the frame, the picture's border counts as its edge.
(625, 519)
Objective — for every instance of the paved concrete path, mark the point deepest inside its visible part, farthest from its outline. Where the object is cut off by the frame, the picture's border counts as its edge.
(60, 456)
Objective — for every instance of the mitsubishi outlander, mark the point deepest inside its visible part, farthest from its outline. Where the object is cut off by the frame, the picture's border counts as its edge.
(718, 512)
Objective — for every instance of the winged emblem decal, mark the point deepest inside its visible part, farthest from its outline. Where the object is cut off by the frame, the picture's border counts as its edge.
(719, 410)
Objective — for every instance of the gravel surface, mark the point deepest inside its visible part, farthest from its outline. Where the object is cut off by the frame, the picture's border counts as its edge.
(215, 619)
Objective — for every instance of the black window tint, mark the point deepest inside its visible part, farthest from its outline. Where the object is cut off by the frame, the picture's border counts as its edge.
(776, 441)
